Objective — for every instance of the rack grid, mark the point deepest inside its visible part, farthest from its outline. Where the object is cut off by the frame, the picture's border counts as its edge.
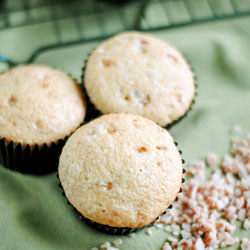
(91, 20)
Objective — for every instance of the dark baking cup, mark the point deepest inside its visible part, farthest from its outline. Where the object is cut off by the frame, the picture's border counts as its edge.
(93, 112)
(31, 159)
(192, 103)
(107, 229)
(183, 172)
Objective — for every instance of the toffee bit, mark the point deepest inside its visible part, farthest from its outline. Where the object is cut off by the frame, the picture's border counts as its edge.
(245, 245)
(166, 246)
(131, 235)
(106, 245)
(117, 242)
(211, 159)
(149, 231)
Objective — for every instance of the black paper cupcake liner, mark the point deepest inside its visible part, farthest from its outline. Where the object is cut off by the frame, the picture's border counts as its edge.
(114, 230)
(93, 112)
(193, 101)
(35, 159)
(108, 229)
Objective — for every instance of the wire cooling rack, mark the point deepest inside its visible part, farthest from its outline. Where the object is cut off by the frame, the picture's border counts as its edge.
(89, 20)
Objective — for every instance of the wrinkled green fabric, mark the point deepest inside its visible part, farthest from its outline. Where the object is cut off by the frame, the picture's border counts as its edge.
(34, 214)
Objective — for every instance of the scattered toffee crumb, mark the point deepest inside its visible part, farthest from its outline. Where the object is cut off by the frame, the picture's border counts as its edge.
(207, 206)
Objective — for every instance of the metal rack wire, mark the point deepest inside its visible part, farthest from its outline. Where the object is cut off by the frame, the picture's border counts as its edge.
(90, 20)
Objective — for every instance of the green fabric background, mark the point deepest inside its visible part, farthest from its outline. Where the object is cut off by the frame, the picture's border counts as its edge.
(34, 214)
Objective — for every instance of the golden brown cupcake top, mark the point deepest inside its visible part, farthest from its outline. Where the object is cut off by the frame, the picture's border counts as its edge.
(39, 105)
(140, 74)
(121, 170)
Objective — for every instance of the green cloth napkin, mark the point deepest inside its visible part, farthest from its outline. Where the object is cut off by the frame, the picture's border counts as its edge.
(34, 214)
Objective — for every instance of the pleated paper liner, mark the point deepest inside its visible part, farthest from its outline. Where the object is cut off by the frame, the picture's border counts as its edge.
(35, 159)
(93, 112)
(193, 101)
(108, 229)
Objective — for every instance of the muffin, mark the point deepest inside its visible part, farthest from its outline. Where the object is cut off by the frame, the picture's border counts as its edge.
(120, 171)
(140, 74)
(39, 108)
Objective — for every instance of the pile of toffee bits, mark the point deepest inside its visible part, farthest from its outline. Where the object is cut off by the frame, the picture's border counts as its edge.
(202, 218)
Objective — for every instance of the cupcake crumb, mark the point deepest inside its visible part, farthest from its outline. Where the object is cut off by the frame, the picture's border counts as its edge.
(117, 242)
(106, 245)
(12, 100)
(107, 63)
(172, 58)
(142, 149)
(94, 248)
(110, 185)
(112, 248)
(161, 148)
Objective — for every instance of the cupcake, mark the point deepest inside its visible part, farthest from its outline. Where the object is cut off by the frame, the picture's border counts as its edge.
(39, 108)
(120, 172)
(140, 74)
